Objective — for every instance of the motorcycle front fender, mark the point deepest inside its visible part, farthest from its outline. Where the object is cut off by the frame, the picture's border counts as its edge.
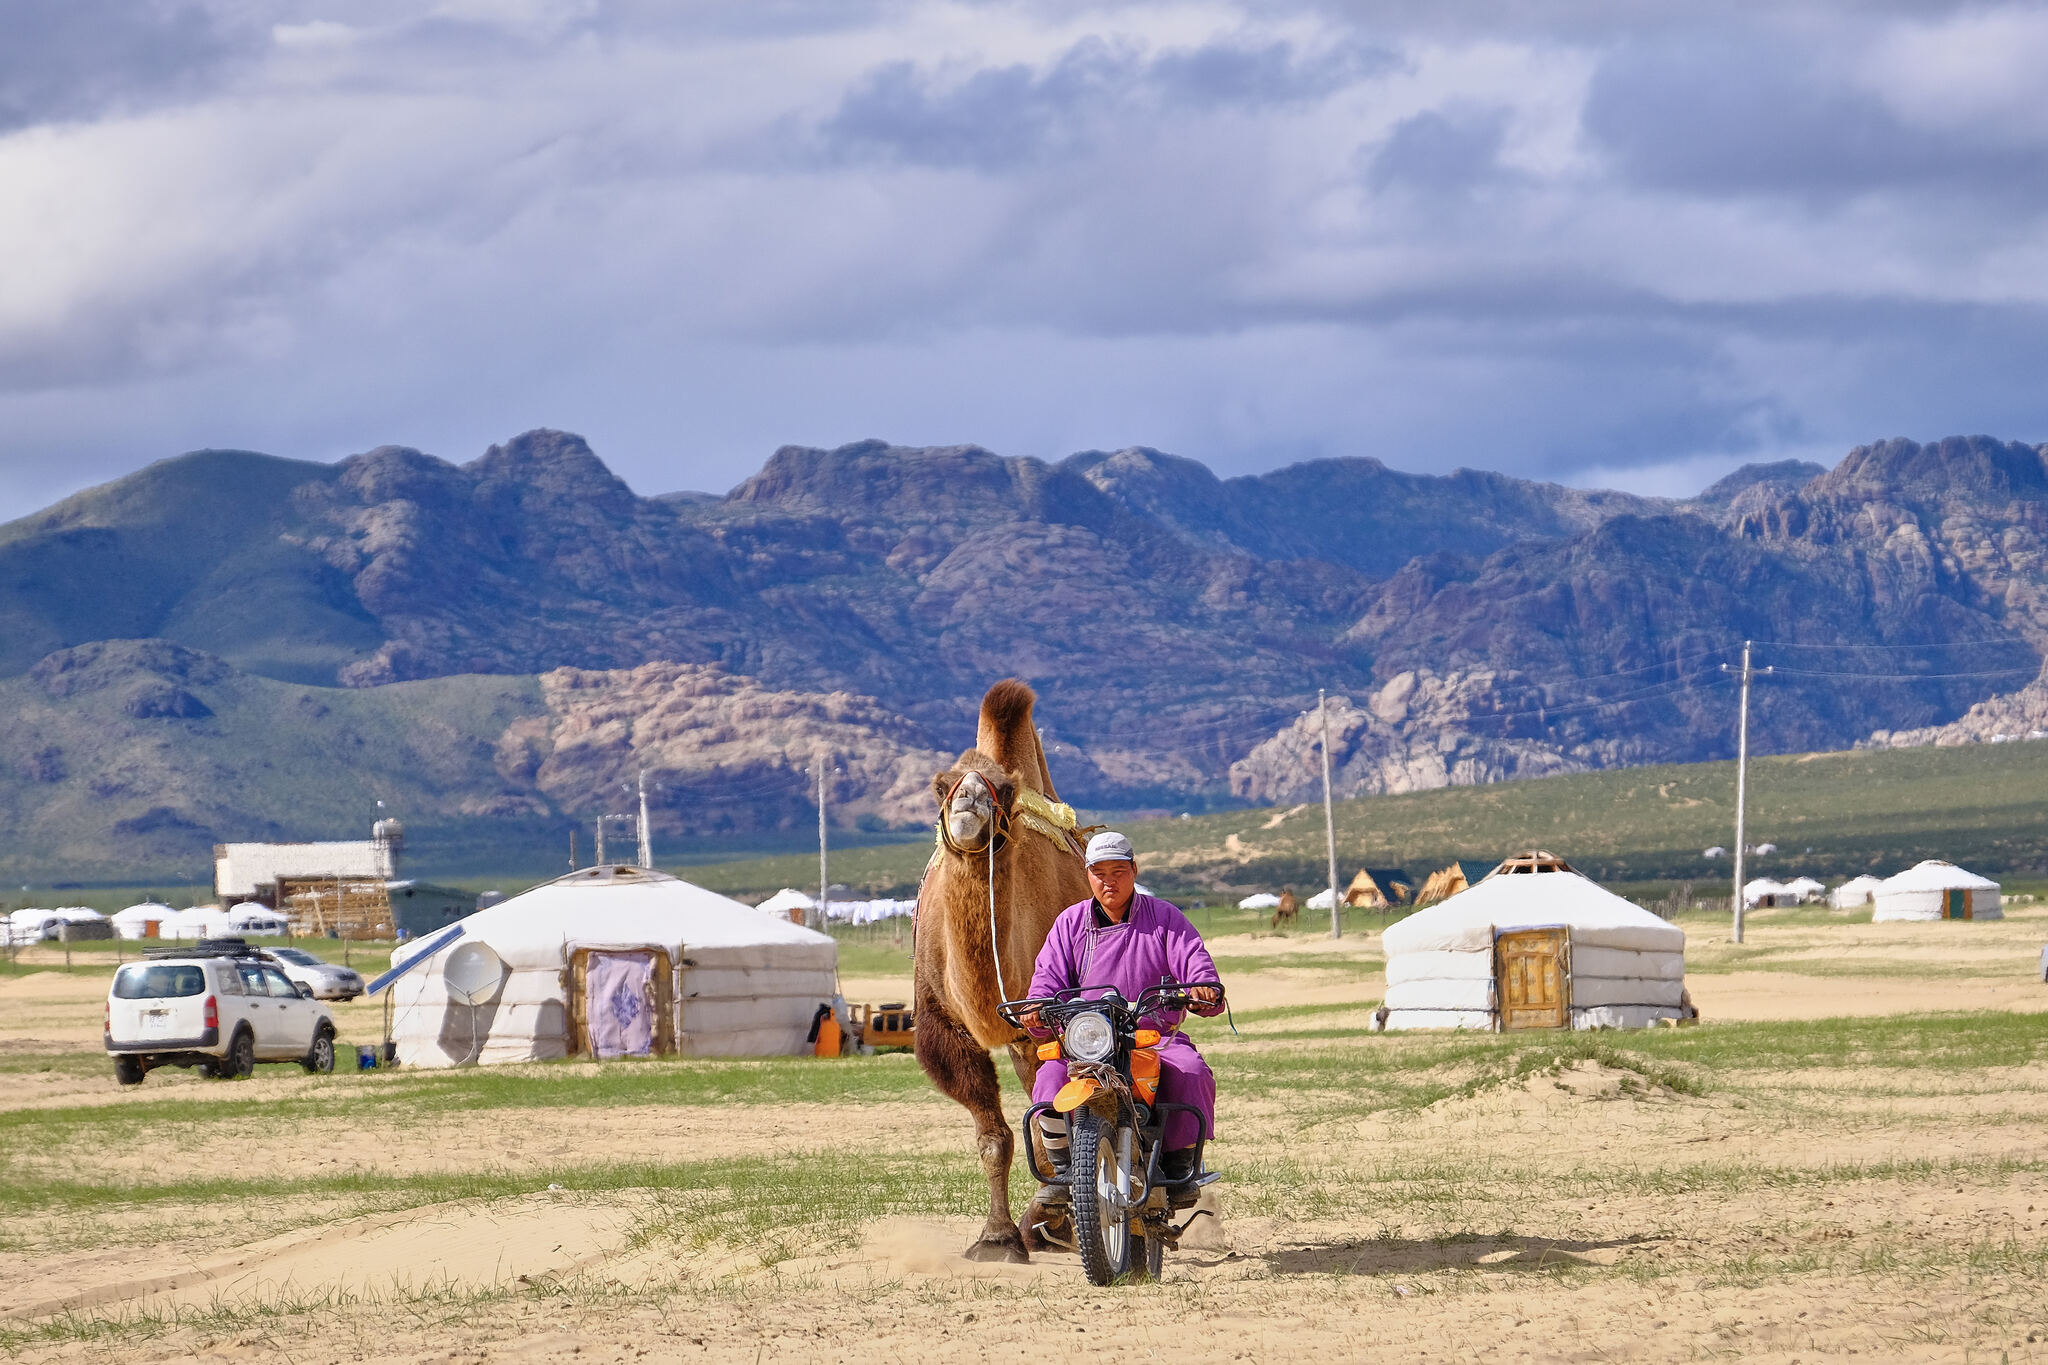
(1075, 1093)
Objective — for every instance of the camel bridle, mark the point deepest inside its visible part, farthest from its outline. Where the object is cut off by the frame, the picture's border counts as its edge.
(998, 823)
(998, 839)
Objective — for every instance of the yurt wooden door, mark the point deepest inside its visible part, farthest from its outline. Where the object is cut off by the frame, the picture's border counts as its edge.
(1955, 903)
(1532, 973)
(621, 1002)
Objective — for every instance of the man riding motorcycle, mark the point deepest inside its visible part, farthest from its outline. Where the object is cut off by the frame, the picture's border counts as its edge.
(1132, 942)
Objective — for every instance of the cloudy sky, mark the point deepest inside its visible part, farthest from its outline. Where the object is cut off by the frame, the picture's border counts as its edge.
(1605, 243)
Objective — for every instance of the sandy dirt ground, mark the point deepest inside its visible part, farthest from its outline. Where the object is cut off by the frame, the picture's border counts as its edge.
(1575, 1208)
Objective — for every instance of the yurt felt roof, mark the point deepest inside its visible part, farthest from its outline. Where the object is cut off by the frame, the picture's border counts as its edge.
(142, 913)
(1862, 883)
(621, 906)
(786, 900)
(1804, 886)
(1468, 921)
(1763, 886)
(1935, 875)
(1263, 900)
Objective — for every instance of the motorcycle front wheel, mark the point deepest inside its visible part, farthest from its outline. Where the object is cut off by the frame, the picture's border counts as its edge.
(1102, 1222)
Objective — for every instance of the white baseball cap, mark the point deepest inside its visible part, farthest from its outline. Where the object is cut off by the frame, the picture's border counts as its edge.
(1110, 847)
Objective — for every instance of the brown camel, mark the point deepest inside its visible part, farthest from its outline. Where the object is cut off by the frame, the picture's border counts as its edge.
(998, 795)
(1288, 910)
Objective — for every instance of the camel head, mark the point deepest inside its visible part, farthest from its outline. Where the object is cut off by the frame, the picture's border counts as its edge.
(974, 800)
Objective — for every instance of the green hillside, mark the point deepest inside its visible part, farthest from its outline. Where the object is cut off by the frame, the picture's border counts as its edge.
(1982, 805)
(205, 549)
(132, 776)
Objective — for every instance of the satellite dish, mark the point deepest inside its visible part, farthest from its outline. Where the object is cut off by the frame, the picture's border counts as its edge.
(472, 971)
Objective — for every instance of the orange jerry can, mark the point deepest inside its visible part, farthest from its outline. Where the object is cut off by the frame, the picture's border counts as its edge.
(828, 1037)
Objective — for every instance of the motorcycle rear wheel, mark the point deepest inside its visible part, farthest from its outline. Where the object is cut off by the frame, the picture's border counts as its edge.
(1102, 1236)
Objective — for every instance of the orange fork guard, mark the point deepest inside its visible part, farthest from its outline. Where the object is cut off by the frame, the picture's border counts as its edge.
(1074, 1094)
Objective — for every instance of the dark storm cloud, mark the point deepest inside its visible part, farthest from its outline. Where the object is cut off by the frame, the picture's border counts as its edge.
(1440, 150)
(998, 118)
(68, 59)
(1715, 114)
(1587, 239)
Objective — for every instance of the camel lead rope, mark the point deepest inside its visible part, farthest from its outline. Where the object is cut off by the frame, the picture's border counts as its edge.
(995, 955)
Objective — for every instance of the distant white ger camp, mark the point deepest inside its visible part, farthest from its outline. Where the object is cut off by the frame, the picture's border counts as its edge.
(611, 961)
(1534, 945)
(1936, 890)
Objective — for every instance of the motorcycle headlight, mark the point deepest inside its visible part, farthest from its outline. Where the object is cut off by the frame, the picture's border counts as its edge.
(1090, 1038)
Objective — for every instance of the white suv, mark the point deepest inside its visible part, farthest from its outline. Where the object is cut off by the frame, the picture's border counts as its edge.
(217, 1007)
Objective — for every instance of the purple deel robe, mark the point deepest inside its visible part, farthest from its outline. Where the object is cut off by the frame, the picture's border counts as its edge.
(1155, 940)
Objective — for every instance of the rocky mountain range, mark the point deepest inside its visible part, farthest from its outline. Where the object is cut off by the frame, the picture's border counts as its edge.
(227, 644)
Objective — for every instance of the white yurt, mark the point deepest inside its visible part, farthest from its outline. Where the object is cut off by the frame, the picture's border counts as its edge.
(1854, 892)
(1806, 889)
(610, 961)
(787, 903)
(194, 922)
(1936, 890)
(1764, 892)
(1264, 900)
(134, 922)
(1534, 945)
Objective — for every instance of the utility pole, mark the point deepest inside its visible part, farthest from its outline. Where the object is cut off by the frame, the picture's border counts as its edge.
(646, 835)
(1330, 819)
(600, 839)
(1741, 782)
(824, 877)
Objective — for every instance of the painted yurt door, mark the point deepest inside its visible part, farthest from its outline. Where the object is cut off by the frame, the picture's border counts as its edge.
(1955, 903)
(622, 1002)
(1532, 969)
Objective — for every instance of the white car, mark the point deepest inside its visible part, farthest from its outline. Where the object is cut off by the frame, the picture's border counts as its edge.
(329, 982)
(220, 1009)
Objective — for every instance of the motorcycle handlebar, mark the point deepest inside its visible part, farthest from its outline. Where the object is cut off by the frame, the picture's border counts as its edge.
(1167, 994)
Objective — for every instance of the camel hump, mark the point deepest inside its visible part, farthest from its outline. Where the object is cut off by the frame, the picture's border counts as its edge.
(1008, 736)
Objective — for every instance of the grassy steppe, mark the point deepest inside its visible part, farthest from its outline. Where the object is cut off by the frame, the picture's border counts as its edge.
(1761, 1186)
(1985, 806)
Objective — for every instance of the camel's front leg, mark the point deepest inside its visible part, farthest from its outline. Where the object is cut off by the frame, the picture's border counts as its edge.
(961, 1068)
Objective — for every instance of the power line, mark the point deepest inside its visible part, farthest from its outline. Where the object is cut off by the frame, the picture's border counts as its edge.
(1907, 677)
(1669, 687)
(2001, 642)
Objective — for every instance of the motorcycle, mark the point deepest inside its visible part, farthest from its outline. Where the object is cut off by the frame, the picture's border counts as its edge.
(1121, 1205)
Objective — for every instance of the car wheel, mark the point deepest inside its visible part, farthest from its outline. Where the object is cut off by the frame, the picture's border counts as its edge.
(241, 1058)
(128, 1070)
(320, 1057)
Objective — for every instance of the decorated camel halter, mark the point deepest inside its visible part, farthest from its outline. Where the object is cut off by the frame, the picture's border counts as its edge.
(1055, 820)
